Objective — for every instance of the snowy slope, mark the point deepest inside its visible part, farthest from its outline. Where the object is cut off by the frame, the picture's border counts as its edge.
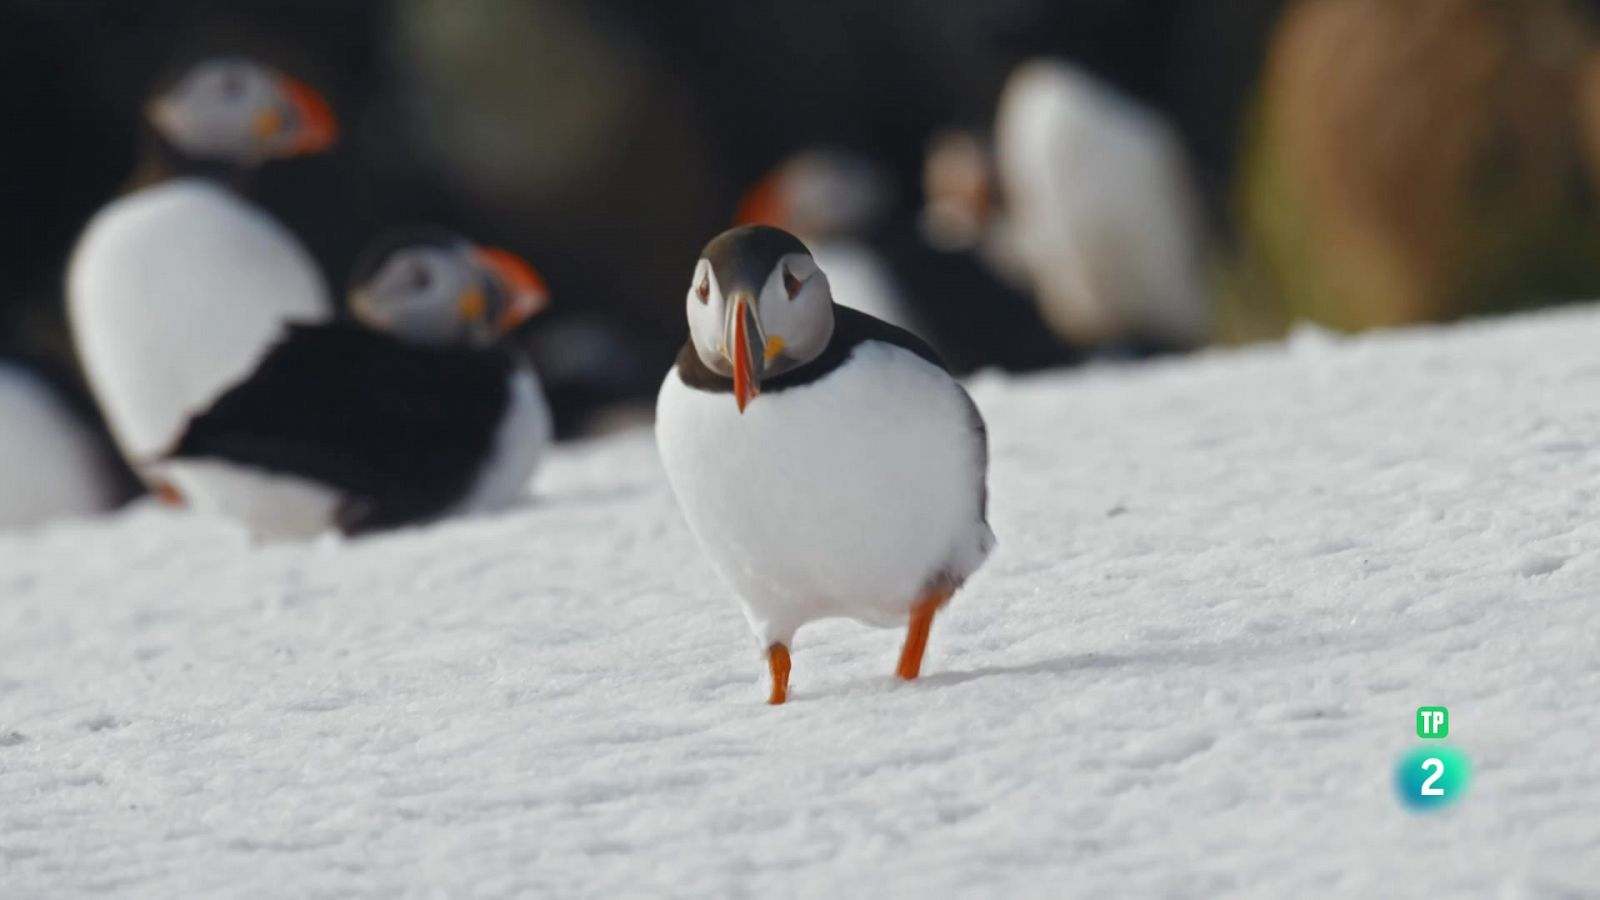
(1223, 586)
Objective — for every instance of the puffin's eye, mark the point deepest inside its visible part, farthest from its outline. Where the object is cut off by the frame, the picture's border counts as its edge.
(232, 85)
(419, 278)
(791, 284)
(703, 290)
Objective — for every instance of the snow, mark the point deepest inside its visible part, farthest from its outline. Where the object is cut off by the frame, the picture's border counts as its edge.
(1223, 586)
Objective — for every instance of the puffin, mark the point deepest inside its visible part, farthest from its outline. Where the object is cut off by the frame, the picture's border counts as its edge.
(50, 462)
(1103, 211)
(417, 410)
(177, 287)
(827, 462)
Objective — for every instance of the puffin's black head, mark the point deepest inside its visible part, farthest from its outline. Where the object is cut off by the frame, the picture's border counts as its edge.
(435, 287)
(237, 111)
(758, 306)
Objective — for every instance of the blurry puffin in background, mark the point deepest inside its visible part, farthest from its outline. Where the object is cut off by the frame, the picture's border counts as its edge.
(417, 412)
(880, 262)
(961, 206)
(1103, 215)
(826, 461)
(51, 463)
(176, 288)
(833, 201)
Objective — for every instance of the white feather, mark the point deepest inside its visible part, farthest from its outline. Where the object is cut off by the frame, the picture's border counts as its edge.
(845, 497)
(49, 466)
(1102, 208)
(175, 292)
(271, 505)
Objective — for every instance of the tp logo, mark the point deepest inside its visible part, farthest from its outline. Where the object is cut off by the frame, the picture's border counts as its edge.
(1431, 777)
(1433, 722)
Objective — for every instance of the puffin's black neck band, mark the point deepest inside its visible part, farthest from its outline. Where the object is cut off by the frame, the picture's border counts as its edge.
(851, 329)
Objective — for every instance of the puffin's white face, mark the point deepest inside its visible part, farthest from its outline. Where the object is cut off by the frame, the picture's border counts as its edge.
(448, 293)
(758, 307)
(238, 111)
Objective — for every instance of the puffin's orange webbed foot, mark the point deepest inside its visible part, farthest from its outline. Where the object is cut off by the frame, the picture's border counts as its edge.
(917, 635)
(778, 662)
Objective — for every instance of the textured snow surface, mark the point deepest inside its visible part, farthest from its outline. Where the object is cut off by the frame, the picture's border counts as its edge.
(1222, 588)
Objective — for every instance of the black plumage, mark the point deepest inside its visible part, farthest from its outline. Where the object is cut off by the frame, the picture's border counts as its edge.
(975, 320)
(401, 429)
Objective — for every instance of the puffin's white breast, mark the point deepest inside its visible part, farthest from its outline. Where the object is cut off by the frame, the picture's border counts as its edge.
(175, 291)
(49, 465)
(519, 446)
(845, 497)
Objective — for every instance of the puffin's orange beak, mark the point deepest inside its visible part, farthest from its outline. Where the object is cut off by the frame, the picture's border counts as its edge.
(315, 127)
(749, 356)
(526, 290)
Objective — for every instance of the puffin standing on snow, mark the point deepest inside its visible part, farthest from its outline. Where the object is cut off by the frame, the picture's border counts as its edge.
(176, 288)
(826, 461)
(418, 412)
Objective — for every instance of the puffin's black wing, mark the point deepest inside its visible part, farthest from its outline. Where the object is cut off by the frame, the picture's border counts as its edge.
(852, 327)
(401, 429)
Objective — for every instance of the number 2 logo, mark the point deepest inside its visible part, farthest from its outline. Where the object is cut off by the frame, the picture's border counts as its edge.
(1432, 777)
(1436, 766)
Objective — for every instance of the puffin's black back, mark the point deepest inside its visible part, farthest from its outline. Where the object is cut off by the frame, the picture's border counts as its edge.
(402, 429)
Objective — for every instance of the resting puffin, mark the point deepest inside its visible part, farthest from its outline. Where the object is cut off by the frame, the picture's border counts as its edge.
(826, 461)
(418, 411)
(176, 288)
(50, 462)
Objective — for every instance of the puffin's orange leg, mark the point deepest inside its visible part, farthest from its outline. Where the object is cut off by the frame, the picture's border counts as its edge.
(778, 662)
(917, 634)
